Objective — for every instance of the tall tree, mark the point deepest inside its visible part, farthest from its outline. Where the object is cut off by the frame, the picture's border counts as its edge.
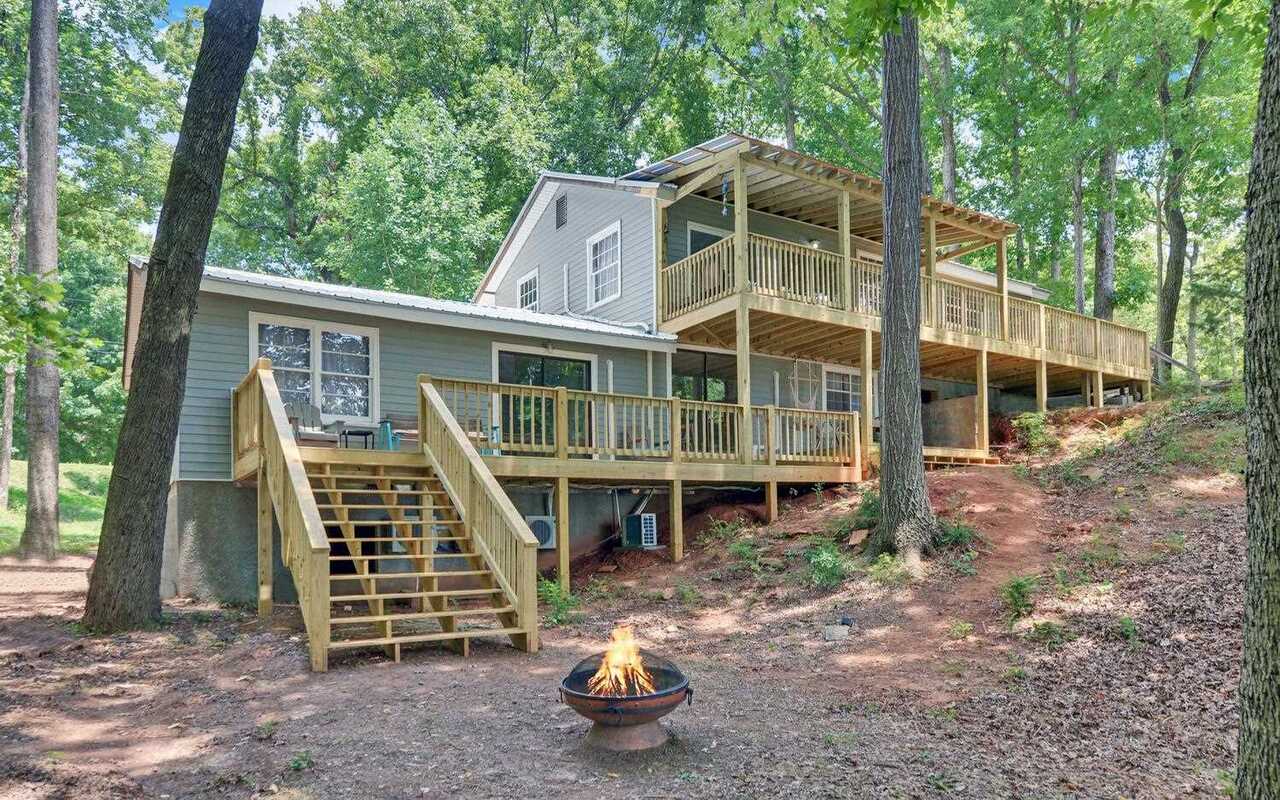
(16, 219)
(40, 536)
(1258, 776)
(1104, 240)
(124, 592)
(907, 525)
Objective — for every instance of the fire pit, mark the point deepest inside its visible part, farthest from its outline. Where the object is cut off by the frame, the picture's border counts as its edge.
(625, 691)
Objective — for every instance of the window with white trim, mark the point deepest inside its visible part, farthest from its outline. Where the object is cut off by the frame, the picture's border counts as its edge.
(527, 291)
(326, 365)
(604, 258)
(702, 236)
(841, 391)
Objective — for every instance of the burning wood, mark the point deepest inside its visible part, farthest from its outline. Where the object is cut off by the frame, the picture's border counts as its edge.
(621, 671)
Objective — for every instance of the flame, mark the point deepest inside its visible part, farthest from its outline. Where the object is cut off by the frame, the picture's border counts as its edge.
(622, 670)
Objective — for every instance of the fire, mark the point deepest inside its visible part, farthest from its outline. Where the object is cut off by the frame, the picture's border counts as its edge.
(622, 670)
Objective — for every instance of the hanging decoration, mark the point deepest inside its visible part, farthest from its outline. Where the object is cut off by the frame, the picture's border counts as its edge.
(724, 195)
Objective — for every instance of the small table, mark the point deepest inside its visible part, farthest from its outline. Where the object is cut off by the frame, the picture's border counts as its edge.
(365, 435)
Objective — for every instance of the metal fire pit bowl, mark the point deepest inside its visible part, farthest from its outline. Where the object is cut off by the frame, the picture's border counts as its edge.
(630, 722)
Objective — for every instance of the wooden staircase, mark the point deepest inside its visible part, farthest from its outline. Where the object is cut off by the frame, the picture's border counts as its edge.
(403, 568)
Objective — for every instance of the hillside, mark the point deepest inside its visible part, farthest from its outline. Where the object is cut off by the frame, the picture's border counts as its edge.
(82, 498)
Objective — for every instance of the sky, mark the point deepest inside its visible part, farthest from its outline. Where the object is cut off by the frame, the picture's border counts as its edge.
(270, 8)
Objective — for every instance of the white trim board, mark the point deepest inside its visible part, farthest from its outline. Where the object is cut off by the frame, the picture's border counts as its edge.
(554, 352)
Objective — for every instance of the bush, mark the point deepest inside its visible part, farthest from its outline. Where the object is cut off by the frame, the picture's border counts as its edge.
(954, 534)
(560, 602)
(1017, 594)
(828, 567)
(1032, 431)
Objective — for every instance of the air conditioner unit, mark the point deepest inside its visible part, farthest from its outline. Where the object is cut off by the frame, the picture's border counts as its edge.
(640, 532)
(544, 530)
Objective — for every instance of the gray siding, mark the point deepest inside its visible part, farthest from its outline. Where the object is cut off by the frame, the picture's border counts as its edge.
(548, 250)
(708, 212)
(221, 353)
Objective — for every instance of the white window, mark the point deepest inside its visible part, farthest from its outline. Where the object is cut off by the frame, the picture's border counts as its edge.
(327, 365)
(841, 390)
(604, 257)
(527, 291)
(702, 236)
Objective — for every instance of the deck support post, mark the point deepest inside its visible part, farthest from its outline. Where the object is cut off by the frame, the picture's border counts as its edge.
(771, 501)
(1099, 397)
(265, 565)
(930, 270)
(846, 245)
(1146, 390)
(743, 315)
(865, 415)
(562, 532)
(677, 520)
(1002, 286)
(1042, 384)
(984, 422)
(1084, 389)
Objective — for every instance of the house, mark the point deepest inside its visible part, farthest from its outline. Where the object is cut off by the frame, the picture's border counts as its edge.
(708, 319)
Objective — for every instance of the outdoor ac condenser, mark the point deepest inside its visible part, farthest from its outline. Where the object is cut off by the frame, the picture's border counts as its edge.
(544, 530)
(640, 532)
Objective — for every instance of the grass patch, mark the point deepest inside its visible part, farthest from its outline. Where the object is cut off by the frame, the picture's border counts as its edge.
(301, 761)
(865, 516)
(1127, 630)
(82, 498)
(828, 567)
(1018, 595)
(953, 534)
(688, 594)
(960, 630)
(888, 570)
(561, 604)
(966, 563)
(721, 530)
(746, 552)
(1049, 634)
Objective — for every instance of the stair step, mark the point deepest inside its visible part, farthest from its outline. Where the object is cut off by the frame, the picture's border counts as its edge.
(462, 612)
(459, 573)
(375, 491)
(368, 476)
(355, 598)
(385, 557)
(387, 523)
(400, 506)
(471, 633)
(345, 540)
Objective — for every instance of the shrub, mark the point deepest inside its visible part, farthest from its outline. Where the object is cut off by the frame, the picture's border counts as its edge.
(1033, 434)
(964, 563)
(828, 567)
(1127, 629)
(960, 630)
(722, 530)
(1017, 594)
(954, 534)
(301, 761)
(559, 601)
(688, 594)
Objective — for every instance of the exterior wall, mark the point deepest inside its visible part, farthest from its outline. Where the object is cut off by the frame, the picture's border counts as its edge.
(548, 250)
(950, 423)
(221, 354)
(702, 211)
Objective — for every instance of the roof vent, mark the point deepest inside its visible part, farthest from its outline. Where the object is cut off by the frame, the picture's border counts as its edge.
(562, 211)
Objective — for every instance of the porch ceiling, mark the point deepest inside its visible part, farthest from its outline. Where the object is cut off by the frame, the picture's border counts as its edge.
(794, 337)
(794, 185)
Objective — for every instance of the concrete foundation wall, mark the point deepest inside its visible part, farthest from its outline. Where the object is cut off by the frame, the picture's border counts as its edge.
(950, 423)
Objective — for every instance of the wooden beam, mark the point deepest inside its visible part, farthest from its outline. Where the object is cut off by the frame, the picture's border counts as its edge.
(865, 411)
(743, 315)
(1099, 396)
(562, 532)
(846, 250)
(677, 520)
(266, 566)
(771, 501)
(984, 433)
(1002, 286)
(1042, 386)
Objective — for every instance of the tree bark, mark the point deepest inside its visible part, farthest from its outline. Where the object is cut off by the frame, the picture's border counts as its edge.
(1193, 313)
(941, 80)
(124, 592)
(907, 525)
(40, 536)
(1104, 240)
(16, 219)
(1160, 366)
(1258, 774)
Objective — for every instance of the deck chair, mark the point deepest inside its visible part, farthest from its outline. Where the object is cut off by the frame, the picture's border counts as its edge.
(309, 428)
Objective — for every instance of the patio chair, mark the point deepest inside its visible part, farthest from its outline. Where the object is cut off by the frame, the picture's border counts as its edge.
(309, 427)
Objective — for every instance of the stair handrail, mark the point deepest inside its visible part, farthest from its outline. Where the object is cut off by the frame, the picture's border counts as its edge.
(499, 532)
(304, 545)
(1160, 355)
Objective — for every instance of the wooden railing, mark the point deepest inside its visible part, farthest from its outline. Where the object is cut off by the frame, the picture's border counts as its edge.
(509, 419)
(497, 530)
(699, 280)
(790, 271)
(304, 546)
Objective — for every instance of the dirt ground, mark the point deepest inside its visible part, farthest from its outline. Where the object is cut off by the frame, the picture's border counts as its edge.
(1120, 683)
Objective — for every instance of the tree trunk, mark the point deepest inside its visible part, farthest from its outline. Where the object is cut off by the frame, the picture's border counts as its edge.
(1193, 312)
(1160, 366)
(1171, 289)
(1104, 240)
(907, 525)
(40, 536)
(946, 124)
(15, 230)
(124, 592)
(1077, 231)
(1258, 775)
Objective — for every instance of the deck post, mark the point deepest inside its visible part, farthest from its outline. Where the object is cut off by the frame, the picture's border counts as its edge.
(1146, 390)
(676, 421)
(865, 414)
(562, 532)
(265, 565)
(660, 255)
(984, 433)
(1084, 389)
(562, 423)
(770, 501)
(930, 269)
(1042, 384)
(743, 315)
(1099, 396)
(677, 520)
(846, 268)
(1002, 286)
